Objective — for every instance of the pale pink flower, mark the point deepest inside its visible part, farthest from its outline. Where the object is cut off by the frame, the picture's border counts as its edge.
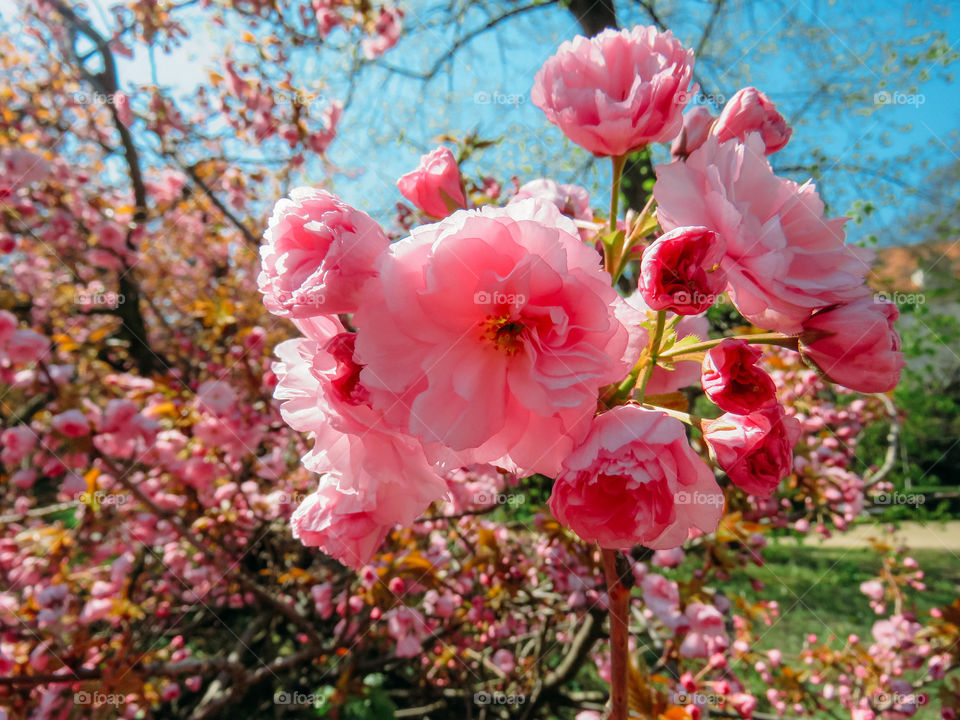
(504, 660)
(374, 477)
(72, 423)
(636, 480)
(216, 397)
(749, 110)
(317, 253)
(696, 128)
(386, 32)
(784, 259)
(617, 91)
(406, 626)
(495, 328)
(15, 443)
(856, 345)
(706, 633)
(20, 167)
(572, 200)
(662, 597)
(25, 346)
(434, 186)
(873, 589)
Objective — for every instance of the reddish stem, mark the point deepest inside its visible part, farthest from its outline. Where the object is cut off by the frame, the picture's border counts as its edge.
(619, 607)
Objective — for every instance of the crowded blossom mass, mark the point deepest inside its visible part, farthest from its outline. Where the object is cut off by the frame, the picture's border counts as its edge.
(638, 436)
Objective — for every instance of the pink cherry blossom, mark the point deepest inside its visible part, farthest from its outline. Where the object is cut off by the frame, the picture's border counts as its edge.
(706, 632)
(636, 480)
(680, 271)
(732, 380)
(784, 259)
(407, 627)
(72, 423)
(697, 122)
(508, 372)
(856, 345)
(317, 253)
(617, 91)
(755, 450)
(749, 110)
(572, 200)
(434, 186)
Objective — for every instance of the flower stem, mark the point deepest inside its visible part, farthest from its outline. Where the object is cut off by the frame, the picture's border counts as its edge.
(654, 351)
(619, 609)
(786, 341)
(619, 161)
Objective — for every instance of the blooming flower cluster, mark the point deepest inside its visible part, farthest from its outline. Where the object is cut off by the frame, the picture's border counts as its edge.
(492, 335)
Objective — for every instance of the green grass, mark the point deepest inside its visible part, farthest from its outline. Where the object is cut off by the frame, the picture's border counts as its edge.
(818, 590)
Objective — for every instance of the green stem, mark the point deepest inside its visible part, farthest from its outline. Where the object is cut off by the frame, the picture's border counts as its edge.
(786, 341)
(654, 351)
(619, 161)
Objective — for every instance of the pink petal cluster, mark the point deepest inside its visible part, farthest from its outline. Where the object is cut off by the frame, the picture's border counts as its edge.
(732, 380)
(617, 91)
(435, 186)
(755, 450)
(317, 253)
(855, 345)
(748, 111)
(636, 480)
(572, 200)
(697, 122)
(373, 477)
(680, 271)
(783, 259)
(495, 328)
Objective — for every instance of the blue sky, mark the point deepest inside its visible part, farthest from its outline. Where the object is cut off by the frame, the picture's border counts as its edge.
(486, 88)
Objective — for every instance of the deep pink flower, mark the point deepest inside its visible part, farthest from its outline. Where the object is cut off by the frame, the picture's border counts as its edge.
(732, 380)
(435, 186)
(617, 91)
(572, 200)
(387, 30)
(72, 423)
(856, 345)
(495, 328)
(755, 450)
(680, 271)
(317, 253)
(374, 476)
(749, 110)
(783, 259)
(697, 122)
(8, 324)
(636, 480)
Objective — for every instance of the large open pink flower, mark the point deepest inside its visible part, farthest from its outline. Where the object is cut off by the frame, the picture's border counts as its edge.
(374, 476)
(784, 259)
(617, 91)
(491, 332)
(636, 480)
